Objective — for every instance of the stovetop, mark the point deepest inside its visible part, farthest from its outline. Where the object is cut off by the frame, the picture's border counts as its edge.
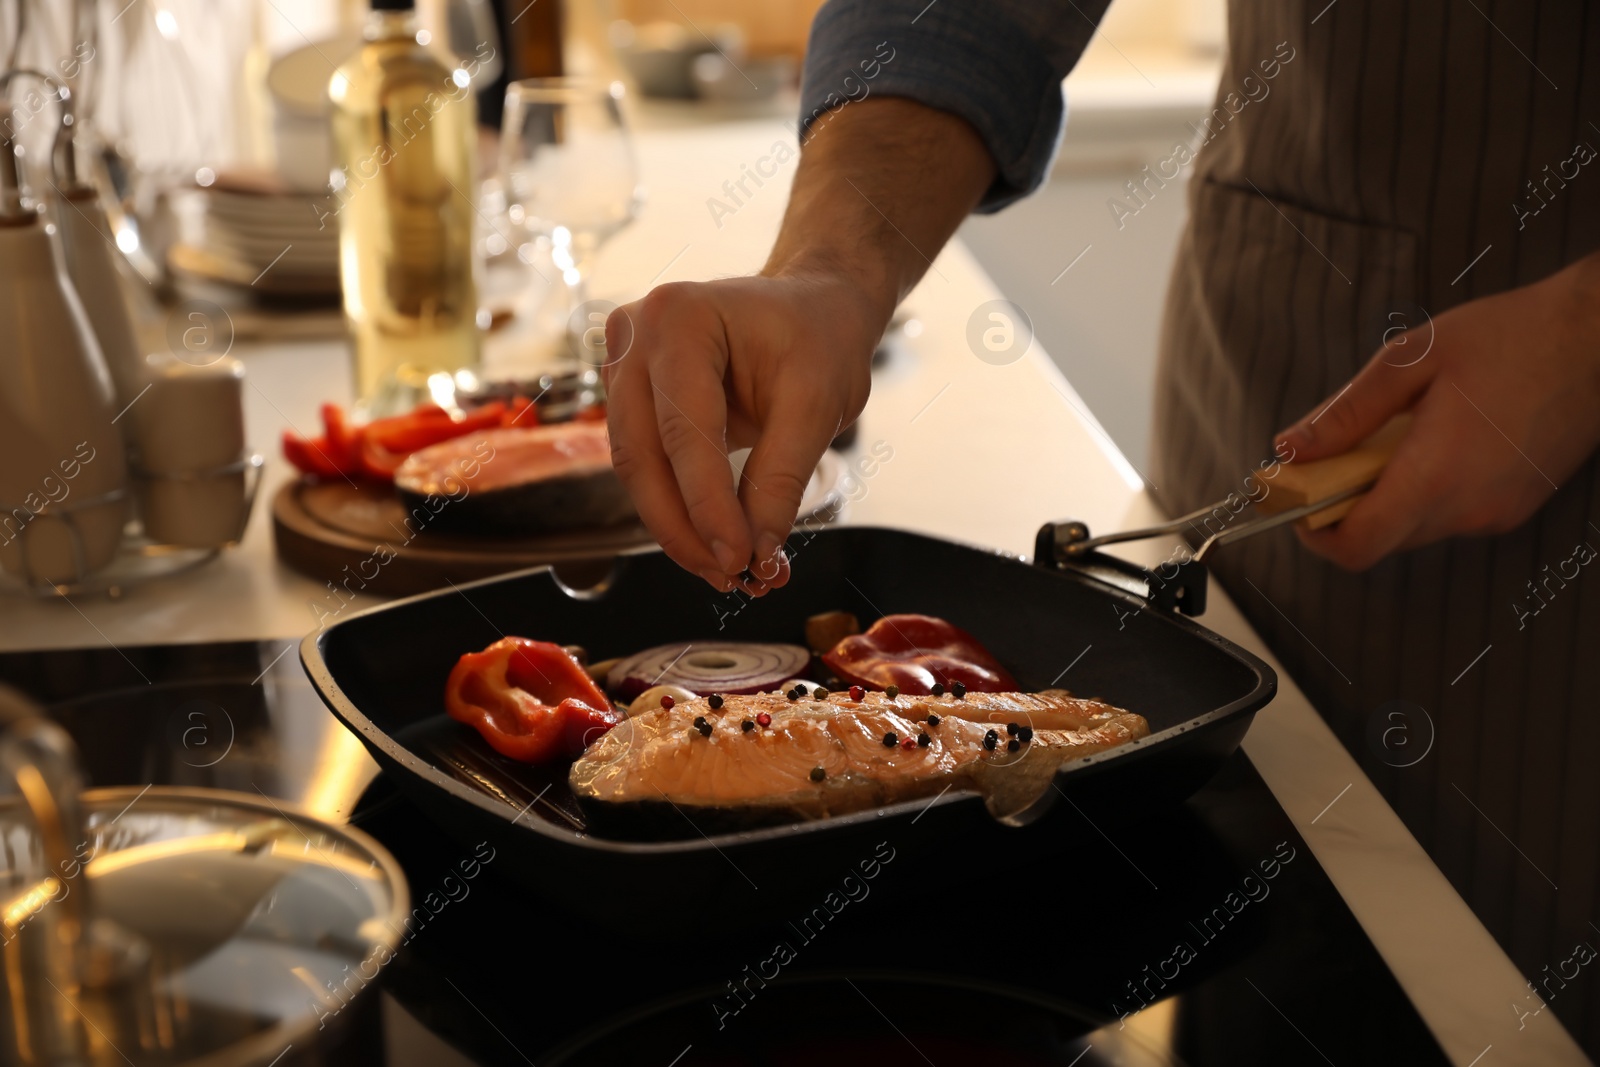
(1205, 935)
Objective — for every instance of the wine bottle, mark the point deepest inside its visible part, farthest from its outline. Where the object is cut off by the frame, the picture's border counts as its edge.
(405, 190)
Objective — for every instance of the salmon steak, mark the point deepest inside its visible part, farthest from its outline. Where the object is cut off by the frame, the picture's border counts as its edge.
(816, 758)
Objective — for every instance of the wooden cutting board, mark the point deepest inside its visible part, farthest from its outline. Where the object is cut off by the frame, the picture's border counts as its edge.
(361, 535)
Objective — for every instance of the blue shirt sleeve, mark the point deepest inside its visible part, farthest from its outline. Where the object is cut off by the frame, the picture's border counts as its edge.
(996, 63)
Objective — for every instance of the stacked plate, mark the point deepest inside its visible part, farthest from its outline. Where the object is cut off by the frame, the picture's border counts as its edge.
(276, 242)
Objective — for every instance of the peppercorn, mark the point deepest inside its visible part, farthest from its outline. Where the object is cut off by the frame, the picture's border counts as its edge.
(747, 726)
(821, 693)
(990, 740)
(908, 744)
(1013, 744)
(933, 720)
(1025, 734)
(764, 719)
(938, 689)
(892, 692)
(890, 740)
(715, 701)
(923, 740)
(818, 774)
(793, 694)
(703, 726)
(666, 702)
(958, 690)
(1011, 728)
(699, 721)
(800, 688)
(857, 693)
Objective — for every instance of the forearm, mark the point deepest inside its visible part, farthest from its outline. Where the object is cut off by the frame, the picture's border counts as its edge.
(879, 190)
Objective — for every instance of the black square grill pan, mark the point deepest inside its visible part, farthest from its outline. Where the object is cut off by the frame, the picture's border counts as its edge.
(1088, 626)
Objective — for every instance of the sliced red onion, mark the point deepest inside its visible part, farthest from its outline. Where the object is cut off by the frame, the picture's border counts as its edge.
(707, 667)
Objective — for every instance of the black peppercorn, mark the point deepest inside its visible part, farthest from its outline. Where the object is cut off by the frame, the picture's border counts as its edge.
(1011, 728)
(715, 701)
(890, 740)
(938, 689)
(1013, 744)
(793, 695)
(747, 726)
(704, 728)
(818, 774)
(1024, 734)
(933, 720)
(923, 740)
(800, 688)
(990, 740)
(892, 691)
(958, 690)
(699, 721)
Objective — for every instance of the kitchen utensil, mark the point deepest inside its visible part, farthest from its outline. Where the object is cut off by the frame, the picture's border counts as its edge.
(63, 472)
(382, 673)
(1314, 494)
(87, 251)
(297, 89)
(567, 163)
(194, 482)
(660, 55)
(182, 926)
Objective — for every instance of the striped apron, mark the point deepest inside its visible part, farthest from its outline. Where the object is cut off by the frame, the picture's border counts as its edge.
(1384, 170)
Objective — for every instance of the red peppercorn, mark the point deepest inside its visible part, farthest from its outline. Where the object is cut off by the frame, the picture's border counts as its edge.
(764, 719)
(908, 744)
(857, 693)
(666, 702)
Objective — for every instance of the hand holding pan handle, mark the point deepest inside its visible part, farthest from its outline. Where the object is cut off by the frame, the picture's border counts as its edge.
(1299, 484)
(1316, 494)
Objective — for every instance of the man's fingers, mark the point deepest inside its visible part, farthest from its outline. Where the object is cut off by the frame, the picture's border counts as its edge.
(775, 478)
(1384, 519)
(691, 413)
(642, 464)
(1389, 384)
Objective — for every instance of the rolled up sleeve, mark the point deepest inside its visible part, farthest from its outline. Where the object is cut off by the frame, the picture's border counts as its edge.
(996, 63)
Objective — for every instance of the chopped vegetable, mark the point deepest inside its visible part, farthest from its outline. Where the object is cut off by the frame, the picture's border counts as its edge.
(917, 654)
(376, 449)
(705, 667)
(530, 700)
(828, 629)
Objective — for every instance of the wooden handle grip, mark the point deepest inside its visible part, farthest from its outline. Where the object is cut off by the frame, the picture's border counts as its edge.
(1298, 484)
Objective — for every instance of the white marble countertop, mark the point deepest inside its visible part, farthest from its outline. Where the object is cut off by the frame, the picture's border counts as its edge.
(982, 454)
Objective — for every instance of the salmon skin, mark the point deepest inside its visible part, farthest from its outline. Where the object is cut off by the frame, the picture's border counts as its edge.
(819, 758)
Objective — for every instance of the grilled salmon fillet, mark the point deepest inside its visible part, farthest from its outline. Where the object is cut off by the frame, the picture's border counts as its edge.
(828, 757)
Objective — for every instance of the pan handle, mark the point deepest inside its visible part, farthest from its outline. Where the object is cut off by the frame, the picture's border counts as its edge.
(1179, 584)
(1314, 494)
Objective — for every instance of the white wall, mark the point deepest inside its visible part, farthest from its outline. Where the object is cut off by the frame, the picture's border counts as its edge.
(1129, 102)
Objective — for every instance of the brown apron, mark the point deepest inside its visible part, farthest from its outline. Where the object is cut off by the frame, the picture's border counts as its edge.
(1381, 172)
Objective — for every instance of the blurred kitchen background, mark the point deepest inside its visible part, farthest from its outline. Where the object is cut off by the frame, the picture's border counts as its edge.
(188, 108)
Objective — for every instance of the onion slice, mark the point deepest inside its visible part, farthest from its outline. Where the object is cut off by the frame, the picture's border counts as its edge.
(706, 667)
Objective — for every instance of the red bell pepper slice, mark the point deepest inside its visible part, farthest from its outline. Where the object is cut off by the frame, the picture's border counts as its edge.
(343, 437)
(530, 700)
(915, 651)
(310, 455)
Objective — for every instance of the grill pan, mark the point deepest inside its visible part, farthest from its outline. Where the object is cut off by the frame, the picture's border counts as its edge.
(382, 672)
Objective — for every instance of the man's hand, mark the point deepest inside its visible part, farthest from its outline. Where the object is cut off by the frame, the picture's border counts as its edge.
(1505, 396)
(780, 362)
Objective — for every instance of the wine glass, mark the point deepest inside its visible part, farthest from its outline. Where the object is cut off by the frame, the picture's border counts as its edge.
(569, 173)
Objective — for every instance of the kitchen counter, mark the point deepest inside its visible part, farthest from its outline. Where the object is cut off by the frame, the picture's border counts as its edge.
(980, 453)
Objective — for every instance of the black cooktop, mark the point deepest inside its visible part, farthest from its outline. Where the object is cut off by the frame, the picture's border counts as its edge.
(1205, 935)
